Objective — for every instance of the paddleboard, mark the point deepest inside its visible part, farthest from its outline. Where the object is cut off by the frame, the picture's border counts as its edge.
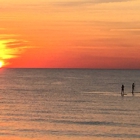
(123, 94)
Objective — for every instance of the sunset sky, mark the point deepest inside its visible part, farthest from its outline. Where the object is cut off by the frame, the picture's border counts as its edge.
(70, 34)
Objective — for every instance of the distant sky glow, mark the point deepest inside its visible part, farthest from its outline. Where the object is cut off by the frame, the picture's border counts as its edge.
(70, 34)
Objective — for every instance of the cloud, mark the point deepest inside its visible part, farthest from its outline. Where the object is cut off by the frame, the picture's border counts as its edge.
(1, 29)
(11, 48)
(85, 2)
(42, 4)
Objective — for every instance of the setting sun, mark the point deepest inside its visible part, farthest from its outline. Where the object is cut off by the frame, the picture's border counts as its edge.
(1, 64)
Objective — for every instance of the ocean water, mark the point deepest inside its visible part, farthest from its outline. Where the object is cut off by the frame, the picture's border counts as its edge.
(51, 104)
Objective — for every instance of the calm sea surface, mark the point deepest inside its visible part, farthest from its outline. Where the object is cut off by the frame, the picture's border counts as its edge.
(69, 104)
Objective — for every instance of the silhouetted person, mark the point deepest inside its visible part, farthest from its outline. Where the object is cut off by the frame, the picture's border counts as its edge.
(133, 87)
(122, 90)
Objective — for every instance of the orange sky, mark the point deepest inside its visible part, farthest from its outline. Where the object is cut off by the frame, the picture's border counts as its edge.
(70, 33)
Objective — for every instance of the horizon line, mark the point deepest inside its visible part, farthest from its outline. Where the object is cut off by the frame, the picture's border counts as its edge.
(71, 68)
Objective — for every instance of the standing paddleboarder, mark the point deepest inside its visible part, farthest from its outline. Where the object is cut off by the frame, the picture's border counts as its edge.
(133, 86)
(122, 90)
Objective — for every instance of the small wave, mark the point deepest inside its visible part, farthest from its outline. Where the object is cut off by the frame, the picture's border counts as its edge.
(98, 123)
(57, 83)
(84, 122)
